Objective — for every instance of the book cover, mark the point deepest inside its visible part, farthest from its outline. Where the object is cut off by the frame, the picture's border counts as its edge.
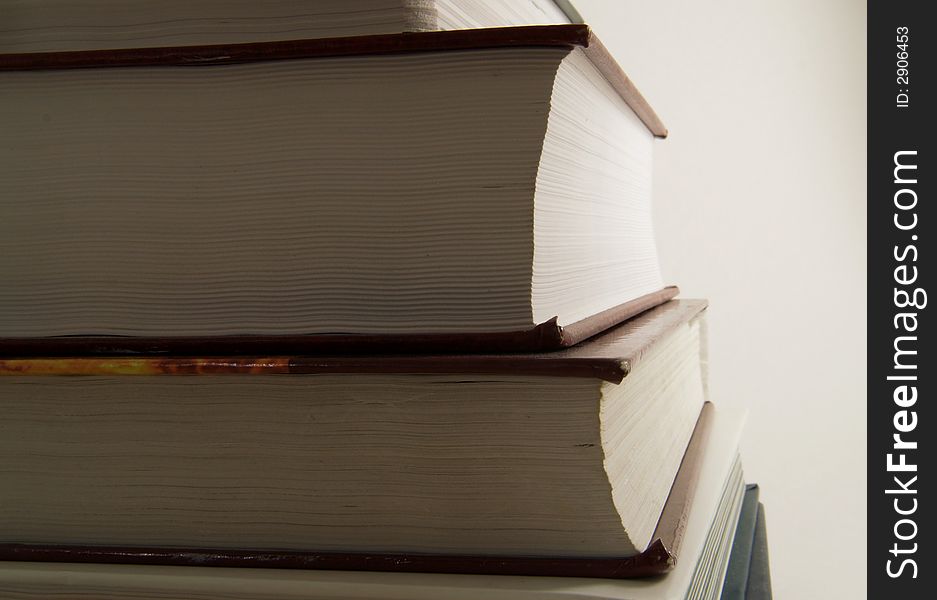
(547, 336)
(737, 573)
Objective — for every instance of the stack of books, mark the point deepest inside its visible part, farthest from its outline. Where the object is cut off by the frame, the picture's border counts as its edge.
(319, 299)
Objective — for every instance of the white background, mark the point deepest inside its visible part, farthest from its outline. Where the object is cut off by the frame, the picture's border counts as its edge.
(760, 196)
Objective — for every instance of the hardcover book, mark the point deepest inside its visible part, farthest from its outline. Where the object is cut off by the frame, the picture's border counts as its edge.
(560, 463)
(748, 576)
(759, 570)
(68, 25)
(710, 521)
(736, 581)
(483, 190)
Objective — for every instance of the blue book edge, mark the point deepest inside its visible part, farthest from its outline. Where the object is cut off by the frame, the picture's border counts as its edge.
(738, 571)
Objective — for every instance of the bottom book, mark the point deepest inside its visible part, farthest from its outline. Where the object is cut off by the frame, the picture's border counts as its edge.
(748, 576)
(699, 573)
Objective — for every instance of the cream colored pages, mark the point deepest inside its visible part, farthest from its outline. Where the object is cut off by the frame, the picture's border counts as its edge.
(463, 14)
(593, 229)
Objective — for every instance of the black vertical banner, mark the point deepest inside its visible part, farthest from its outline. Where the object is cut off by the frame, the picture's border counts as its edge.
(902, 370)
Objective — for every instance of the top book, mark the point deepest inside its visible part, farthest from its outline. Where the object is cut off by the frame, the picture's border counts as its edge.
(66, 25)
(471, 190)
